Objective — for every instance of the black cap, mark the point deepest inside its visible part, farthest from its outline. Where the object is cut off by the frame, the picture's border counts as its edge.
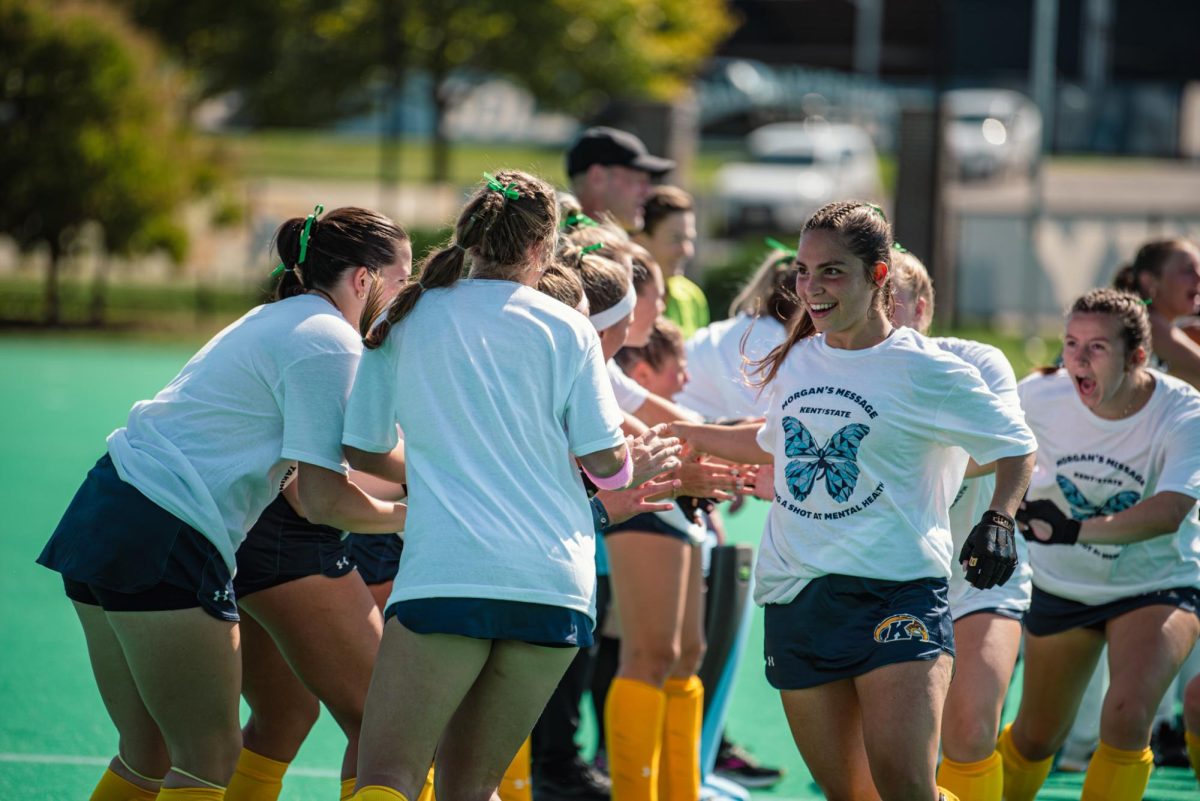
(610, 147)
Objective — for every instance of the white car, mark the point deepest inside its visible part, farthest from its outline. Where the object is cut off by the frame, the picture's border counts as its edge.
(798, 167)
(992, 132)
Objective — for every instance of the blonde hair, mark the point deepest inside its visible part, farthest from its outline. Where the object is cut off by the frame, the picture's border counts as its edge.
(771, 290)
(909, 275)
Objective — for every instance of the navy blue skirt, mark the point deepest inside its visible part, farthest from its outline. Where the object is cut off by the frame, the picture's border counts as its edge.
(1051, 614)
(377, 556)
(282, 546)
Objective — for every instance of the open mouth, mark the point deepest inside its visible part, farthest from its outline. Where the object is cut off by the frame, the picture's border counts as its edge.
(819, 310)
(1085, 385)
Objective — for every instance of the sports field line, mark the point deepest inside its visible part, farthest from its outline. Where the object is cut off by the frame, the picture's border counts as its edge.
(96, 761)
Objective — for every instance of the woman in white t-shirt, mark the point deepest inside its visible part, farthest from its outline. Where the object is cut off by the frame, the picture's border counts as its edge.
(1115, 546)
(146, 548)
(987, 623)
(717, 353)
(869, 428)
(493, 384)
(1166, 274)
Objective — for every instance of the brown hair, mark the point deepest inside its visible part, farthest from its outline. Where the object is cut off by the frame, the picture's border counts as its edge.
(1150, 259)
(909, 274)
(605, 281)
(664, 201)
(865, 232)
(561, 283)
(1128, 309)
(665, 341)
(645, 268)
(343, 239)
(771, 291)
(495, 228)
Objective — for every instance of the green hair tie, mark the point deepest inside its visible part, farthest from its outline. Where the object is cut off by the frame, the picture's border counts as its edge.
(578, 219)
(775, 244)
(510, 192)
(304, 235)
(592, 248)
(878, 211)
(896, 246)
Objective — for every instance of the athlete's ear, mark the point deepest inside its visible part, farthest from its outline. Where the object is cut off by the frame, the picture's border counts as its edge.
(880, 273)
(1138, 357)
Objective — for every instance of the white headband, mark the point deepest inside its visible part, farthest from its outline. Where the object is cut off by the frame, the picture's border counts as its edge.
(614, 314)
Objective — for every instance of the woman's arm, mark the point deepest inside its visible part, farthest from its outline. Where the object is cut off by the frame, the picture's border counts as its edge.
(733, 443)
(329, 498)
(1177, 349)
(388, 466)
(1159, 515)
(1012, 479)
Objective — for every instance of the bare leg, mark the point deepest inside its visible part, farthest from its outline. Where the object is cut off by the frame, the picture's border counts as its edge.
(987, 646)
(282, 710)
(1057, 670)
(826, 725)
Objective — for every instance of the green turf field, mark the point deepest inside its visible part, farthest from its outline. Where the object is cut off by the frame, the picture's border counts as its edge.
(59, 398)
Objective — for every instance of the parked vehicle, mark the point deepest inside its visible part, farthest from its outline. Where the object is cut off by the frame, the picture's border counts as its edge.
(797, 167)
(992, 133)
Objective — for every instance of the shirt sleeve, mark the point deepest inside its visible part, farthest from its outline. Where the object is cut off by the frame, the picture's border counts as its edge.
(371, 411)
(764, 436)
(313, 391)
(630, 394)
(1181, 455)
(592, 416)
(975, 419)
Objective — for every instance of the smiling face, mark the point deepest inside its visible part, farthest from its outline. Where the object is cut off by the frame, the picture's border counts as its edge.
(834, 288)
(1176, 292)
(1102, 368)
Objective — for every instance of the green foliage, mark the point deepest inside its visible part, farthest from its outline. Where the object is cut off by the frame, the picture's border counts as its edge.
(87, 131)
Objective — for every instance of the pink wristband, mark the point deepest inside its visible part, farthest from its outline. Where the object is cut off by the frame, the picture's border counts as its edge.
(618, 480)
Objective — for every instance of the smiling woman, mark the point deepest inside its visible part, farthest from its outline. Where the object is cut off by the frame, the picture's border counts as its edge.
(856, 534)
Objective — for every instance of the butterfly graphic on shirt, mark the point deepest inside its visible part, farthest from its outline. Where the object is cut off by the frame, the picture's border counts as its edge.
(836, 461)
(1082, 508)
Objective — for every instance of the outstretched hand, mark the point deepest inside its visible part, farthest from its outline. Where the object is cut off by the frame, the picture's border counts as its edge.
(654, 452)
(1042, 521)
(624, 504)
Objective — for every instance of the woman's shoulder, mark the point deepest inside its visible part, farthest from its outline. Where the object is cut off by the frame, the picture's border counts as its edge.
(293, 328)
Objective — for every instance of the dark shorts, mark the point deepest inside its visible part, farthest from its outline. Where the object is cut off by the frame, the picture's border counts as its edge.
(117, 549)
(282, 546)
(1050, 614)
(377, 556)
(998, 611)
(651, 523)
(840, 627)
(486, 619)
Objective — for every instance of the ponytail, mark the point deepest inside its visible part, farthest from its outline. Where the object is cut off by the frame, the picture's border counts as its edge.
(287, 243)
(441, 268)
(1150, 259)
(1126, 280)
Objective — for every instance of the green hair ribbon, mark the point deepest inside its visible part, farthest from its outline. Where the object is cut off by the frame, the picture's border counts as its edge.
(896, 246)
(775, 244)
(878, 211)
(509, 191)
(581, 219)
(593, 247)
(304, 235)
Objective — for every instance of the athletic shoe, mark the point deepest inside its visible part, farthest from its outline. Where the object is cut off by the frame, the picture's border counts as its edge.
(738, 765)
(1169, 746)
(570, 781)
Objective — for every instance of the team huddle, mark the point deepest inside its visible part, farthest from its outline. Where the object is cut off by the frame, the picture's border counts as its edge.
(529, 437)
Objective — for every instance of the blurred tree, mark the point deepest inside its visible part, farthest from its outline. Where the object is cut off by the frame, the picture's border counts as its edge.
(87, 135)
(302, 62)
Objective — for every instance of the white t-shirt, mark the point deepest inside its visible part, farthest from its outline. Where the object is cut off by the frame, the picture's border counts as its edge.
(974, 496)
(630, 394)
(869, 454)
(717, 388)
(215, 446)
(493, 383)
(1090, 466)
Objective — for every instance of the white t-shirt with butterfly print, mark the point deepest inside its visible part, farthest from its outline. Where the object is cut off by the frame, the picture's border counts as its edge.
(870, 447)
(974, 497)
(1090, 466)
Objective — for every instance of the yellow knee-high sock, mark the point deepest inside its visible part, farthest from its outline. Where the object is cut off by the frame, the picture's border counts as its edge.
(191, 794)
(517, 784)
(976, 781)
(1022, 777)
(679, 763)
(1193, 748)
(426, 793)
(633, 722)
(256, 778)
(946, 795)
(377, 792)
(112, 787)
(347, 791)
(1117, 775)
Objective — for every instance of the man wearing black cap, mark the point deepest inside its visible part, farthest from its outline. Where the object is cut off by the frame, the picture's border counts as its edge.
(610, 172)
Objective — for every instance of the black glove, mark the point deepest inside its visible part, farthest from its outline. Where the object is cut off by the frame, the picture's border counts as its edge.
(990, 553)
(1063, 530)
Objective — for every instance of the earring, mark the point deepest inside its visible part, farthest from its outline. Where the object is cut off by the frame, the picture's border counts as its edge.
(362, 296)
